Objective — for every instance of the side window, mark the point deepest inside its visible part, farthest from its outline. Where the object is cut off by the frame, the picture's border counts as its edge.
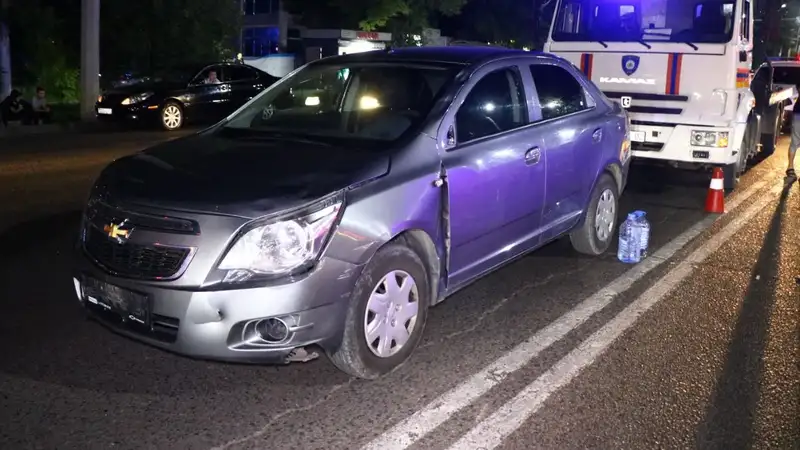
(559, 92)
(209, 75)
(495, 104)
(240, 73)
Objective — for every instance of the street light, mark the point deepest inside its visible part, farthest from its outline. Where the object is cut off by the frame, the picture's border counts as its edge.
(783, 6)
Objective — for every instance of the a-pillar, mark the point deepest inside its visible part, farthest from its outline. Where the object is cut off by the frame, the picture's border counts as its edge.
(90, 57)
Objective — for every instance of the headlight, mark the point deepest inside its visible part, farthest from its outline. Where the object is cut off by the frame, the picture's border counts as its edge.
(281, 245)
(133, 99)
(701, 138)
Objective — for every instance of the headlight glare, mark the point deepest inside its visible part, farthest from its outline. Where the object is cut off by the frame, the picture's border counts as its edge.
(280, 246)
(138, 98)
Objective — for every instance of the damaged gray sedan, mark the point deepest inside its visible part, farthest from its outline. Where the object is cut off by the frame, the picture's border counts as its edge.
(332, 211)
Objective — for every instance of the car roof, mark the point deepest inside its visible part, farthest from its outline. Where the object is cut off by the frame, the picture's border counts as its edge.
(461, 55)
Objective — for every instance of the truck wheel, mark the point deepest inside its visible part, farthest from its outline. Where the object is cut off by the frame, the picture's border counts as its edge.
(769, 138)
(386, 315)
(734, 171)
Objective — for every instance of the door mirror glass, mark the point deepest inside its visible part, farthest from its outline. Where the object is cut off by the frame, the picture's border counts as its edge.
(450, 137)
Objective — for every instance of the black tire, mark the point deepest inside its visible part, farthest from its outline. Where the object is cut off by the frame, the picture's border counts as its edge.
(734, 172)
(769, 138)
(168, 109)
(584, 239)
(354, 356)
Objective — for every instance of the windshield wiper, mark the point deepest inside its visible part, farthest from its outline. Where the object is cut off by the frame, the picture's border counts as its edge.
(602, 43)
(641, 41)
(250, 133)
(691, 45)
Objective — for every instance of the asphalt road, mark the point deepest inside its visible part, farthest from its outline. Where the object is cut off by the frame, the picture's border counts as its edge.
(697, 347)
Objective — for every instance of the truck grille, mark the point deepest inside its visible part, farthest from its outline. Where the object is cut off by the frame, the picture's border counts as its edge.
(134, 260)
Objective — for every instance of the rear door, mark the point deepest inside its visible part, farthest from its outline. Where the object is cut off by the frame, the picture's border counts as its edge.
(495, 171)
(573, 139)
(245, 85)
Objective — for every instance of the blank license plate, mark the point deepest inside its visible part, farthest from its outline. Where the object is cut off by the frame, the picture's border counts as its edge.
(106, 111)
(131, 306)
(637, 136)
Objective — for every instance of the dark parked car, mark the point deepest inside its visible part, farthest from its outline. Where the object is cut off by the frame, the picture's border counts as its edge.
(335, 218)
(203, 93)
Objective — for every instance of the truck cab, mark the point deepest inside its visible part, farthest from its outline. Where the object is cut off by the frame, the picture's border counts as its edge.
(681, 68)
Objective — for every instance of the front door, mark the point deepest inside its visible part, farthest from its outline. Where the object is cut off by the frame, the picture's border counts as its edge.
(495, 173)
(210, 95)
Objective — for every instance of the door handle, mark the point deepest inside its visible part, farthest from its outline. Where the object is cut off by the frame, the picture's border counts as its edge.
(597, 135)
(533, 156)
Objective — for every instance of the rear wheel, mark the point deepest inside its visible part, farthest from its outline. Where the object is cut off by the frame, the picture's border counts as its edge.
(595, 235)
(386, 315)
(770, 124)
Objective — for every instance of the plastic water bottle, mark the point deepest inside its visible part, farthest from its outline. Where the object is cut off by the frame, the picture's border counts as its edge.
(644, 237)
(628, 240)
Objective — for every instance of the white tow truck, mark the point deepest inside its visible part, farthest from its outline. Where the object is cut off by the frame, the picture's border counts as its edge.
(682, 70)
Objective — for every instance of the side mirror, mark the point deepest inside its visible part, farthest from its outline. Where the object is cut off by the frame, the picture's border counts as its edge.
(742, 56)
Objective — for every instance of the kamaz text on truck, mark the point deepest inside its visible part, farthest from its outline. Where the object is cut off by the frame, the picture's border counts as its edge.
(682, 70)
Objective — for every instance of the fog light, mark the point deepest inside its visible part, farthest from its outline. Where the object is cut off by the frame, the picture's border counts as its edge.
(272, 330)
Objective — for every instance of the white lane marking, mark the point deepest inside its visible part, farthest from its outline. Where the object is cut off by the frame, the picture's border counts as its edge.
(416, 426)
(491, 432)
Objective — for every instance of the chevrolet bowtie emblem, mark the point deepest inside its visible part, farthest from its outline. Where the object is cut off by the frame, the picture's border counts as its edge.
(116, 232)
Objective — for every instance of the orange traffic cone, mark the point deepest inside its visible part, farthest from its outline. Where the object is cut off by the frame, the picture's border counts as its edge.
(715, 199)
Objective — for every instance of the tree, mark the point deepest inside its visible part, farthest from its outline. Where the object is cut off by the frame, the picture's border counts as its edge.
(397, 16)
(152, 34)
(39, 54)
(512, 23)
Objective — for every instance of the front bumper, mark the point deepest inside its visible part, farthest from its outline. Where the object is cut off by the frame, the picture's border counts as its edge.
(222, 324)
(672, 143)
(109, 112)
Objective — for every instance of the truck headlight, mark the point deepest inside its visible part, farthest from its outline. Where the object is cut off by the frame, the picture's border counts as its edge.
(702, 138)
(281, 245)
(138, 98)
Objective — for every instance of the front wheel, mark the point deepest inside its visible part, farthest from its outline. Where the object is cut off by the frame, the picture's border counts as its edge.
(595, 235)
(172, 116)
(386, 314)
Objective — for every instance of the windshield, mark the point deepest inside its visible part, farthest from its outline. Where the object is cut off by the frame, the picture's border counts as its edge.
(631, 20)
(362, 101)
(786, 75)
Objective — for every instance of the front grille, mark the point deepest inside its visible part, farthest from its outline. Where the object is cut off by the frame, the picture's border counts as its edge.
(647, 146)
(134, 260)
(100, 213)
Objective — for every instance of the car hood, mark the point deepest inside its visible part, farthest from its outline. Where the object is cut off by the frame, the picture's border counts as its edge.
(207, 173)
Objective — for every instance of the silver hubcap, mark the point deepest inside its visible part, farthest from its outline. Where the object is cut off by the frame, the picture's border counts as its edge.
(171, 116)
(605, 216)
(391, 313)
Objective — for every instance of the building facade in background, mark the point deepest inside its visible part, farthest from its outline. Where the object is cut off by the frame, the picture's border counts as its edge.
(264, 28)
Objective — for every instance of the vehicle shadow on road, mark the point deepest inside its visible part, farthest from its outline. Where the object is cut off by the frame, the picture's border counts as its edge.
(729, 419)
(45, 336)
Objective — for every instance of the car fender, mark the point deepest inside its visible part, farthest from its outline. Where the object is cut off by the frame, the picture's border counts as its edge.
(408, 203)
